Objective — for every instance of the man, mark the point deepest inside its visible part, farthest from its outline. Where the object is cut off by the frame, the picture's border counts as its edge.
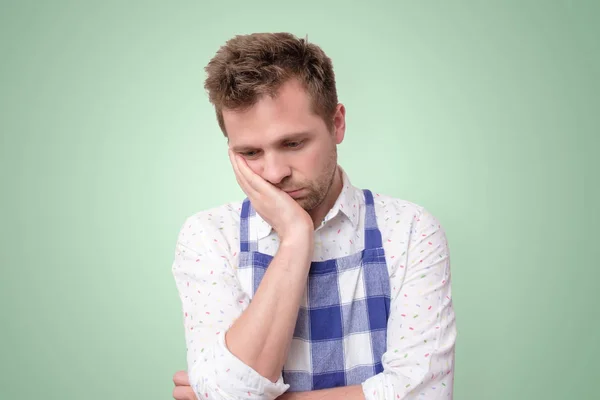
(310, 288)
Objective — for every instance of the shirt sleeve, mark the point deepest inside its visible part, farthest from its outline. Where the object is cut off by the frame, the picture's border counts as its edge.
(421, 334)
(212, 299)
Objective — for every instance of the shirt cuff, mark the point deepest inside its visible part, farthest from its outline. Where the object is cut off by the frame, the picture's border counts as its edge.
(235, 378)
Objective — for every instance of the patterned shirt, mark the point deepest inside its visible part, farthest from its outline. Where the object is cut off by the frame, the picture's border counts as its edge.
(419, 359)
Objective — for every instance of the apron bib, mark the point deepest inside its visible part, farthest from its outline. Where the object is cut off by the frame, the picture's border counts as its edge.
(341, 330)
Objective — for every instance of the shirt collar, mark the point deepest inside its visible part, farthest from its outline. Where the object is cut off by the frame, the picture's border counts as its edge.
(347, 204)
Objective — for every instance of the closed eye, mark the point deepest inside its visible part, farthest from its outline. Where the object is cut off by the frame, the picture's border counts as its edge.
(293, 145)
(250, 153)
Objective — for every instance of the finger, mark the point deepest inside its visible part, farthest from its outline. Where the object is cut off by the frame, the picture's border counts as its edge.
(234, 164)
(183, 393)
(241, 179)
(236, 170)
(245, 171)
(181, 379)
(253, 180)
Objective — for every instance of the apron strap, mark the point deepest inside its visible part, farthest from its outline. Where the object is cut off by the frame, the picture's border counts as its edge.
(372, 233)
(245, 244)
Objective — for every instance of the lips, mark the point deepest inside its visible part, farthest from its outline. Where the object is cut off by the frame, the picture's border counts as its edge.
(294, 193)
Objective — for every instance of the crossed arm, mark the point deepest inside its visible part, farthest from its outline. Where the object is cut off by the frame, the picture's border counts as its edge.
(183, 391)
(419, 359)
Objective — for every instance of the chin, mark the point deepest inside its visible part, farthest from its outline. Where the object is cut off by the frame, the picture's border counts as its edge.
(308, 204)
(302, 203)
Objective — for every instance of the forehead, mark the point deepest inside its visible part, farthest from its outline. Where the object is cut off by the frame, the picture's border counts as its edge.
(272, 119)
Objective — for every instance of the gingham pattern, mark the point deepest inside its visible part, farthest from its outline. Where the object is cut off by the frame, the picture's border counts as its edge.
(340, 334)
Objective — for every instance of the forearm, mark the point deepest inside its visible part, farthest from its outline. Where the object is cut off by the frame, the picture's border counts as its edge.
(353, 392)
(261, 336)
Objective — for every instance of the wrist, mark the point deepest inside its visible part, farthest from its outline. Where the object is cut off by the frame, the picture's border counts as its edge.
(298, 239)
(298, 234)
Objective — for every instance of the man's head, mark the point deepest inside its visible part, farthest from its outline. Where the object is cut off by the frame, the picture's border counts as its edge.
(276, 102)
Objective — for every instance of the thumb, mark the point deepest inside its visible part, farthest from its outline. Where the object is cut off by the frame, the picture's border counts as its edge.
(181, 379)
(184, 393)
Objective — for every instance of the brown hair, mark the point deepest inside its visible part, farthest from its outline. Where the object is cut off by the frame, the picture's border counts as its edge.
(250, 66)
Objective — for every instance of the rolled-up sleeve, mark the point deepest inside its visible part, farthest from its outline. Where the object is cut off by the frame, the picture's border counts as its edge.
(212, 299)
(419, 358)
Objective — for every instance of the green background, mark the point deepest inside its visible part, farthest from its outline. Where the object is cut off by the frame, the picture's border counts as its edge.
(486, 113)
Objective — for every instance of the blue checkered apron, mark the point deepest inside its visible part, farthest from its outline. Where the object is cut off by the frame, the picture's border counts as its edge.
(340, 333)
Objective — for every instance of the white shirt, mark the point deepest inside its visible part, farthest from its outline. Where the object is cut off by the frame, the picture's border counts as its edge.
(421, 331)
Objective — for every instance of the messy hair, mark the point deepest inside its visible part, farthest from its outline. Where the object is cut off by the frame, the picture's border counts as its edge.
(250, 66)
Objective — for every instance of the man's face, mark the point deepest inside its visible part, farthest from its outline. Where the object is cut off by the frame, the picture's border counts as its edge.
(288, 145)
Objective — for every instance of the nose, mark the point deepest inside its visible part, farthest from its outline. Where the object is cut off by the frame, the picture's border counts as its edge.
(275, 168)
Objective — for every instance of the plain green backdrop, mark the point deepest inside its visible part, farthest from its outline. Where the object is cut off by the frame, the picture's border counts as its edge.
(484, 112)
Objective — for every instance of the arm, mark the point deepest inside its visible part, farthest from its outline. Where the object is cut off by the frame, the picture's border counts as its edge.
(213, 300)
(236, 349)
(354, 392)
(419, 360)
(262, 335)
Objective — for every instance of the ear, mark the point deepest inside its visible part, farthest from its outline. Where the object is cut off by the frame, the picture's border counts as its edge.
(339, 123)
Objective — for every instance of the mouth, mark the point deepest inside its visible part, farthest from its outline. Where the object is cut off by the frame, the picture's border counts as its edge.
(294, 193)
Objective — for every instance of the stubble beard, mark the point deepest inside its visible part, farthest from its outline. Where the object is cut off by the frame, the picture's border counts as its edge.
(318, 191)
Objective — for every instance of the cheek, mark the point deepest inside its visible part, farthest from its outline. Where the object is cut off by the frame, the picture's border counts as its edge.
(312, 160)
(313, 163)
(256, 166)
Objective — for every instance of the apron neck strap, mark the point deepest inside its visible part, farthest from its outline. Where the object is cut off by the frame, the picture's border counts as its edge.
(372, 233)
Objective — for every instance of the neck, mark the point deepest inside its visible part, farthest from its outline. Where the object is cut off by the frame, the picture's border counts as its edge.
(318, 213)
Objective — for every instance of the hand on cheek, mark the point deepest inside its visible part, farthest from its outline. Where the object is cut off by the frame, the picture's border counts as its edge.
(275, 206)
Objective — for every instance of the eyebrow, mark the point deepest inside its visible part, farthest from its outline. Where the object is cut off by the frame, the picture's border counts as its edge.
(290, 137)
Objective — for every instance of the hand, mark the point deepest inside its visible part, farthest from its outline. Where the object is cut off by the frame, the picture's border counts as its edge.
(183, 390)
(274, 205)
